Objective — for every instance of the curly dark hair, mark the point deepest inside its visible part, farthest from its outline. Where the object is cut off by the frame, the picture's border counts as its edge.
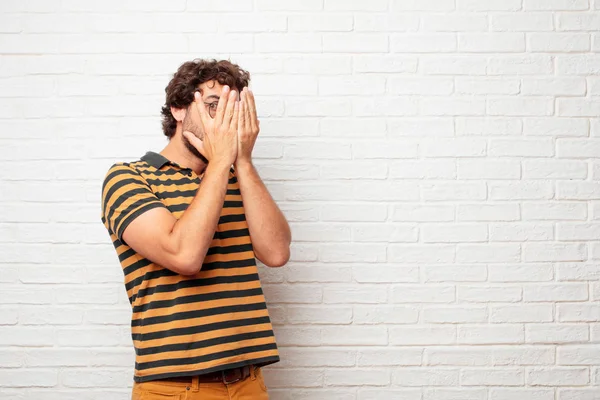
(180, 90)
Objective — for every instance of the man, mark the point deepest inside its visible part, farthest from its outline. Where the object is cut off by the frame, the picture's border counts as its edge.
(187, 243)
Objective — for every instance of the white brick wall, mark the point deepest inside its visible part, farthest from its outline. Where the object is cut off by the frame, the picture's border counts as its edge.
(437, 160)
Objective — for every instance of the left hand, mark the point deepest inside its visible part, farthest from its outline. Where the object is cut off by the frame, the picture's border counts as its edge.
(248, 126)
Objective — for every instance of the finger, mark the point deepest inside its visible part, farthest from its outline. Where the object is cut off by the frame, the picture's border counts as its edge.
(204, 117)
(247, 115)
(229, 109)
(222, 105)
(197, 143)
(252, 111)
(235, 117)
(242, 116)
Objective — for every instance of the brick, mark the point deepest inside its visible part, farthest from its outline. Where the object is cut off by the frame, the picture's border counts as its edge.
(355, 43)
(483, 86)
(493, 334)
(578, 148)
(454, 315)
(458, 22)
(521, 190)
(425, 377)
(489, 293)
(423, 43)
(578, 190)
(578, 355)
(444, 233)
(521, 65)
(488, 126)
(489, 5)
(558, 376)
(384, 63)
(495, 377)
(354, 5)
(451, 107)
(412, 86)
(423, 335)
(351, 86)
(488, 169)
(326, 22)
(556, 5)
(390, 21)
(478, 253)
(423, 294)
(520, 273)
(578, 394)
(456, 147)
(578, 64)
(521, 313)
(491, 42)
(288, 43)
(384, 315)
(521, 107)
(556, 127)
(556, 42)
(357, 377)
(523, 22)
(274, 5)
(521, 393)
(456, 65)
(554, 87)
(318, 64)
(521, 148)
(459, 273)
(389, 357)
(578, 312)
(416, 5)
(578, 271)
(521, 232)
(426, 169)
(354, 336)
(457, 356)
(577, 21)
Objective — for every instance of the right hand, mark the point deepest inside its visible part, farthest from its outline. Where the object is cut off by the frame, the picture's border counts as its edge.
(220, 134)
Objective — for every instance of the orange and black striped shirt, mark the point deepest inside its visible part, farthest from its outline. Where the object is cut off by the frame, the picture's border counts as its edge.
(188, 325)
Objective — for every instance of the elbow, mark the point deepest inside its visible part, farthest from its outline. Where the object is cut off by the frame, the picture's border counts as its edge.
(279, 259)
(187, 266)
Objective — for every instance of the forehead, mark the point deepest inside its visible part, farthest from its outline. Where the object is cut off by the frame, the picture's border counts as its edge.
(210, 88)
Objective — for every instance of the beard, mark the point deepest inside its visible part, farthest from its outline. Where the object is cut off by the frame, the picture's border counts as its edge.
(189, 126)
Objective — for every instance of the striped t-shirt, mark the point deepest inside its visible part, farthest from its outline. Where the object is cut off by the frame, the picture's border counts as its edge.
(188, 325)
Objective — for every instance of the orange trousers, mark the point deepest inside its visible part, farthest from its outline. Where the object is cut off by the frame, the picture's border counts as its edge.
(251, 388)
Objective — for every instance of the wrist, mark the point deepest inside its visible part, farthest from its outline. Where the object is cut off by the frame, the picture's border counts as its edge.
(218, 166)
(243, 163)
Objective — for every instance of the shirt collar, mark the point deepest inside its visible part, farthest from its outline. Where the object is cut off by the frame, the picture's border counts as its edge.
(156, 160)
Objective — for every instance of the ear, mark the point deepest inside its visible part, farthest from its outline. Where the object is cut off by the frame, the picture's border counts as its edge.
(178, 113)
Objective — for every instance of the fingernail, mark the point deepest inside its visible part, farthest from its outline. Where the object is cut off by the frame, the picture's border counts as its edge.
(225, 88)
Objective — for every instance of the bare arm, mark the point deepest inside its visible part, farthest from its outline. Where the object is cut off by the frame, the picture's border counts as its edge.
(181, 245)
(269, 230)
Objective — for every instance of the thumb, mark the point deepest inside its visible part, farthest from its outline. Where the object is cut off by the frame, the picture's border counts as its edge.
(196, 142)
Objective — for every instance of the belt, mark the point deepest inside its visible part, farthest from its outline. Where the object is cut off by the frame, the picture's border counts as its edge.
(226, 376)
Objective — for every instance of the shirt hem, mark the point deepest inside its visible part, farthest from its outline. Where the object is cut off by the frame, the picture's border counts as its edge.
(261, 362)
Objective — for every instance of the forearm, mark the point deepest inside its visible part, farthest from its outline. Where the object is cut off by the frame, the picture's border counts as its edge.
(269, 230)
(194, 231)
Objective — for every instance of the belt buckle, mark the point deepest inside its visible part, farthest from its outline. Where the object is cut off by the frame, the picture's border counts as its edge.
(225, 381)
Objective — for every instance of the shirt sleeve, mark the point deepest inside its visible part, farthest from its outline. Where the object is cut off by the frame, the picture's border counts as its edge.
(125, 196)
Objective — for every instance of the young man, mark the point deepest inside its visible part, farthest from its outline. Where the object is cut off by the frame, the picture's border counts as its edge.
(187, 227)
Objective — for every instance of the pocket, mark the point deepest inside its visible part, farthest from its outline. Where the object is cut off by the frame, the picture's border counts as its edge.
(260, 379)
(161, 396)
(156, 391)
